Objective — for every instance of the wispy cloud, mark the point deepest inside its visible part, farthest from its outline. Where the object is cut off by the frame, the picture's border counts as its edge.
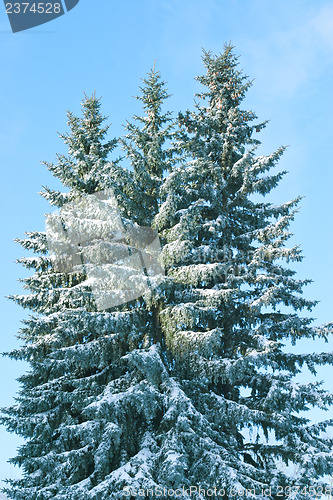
(322, 25)
(286, 59)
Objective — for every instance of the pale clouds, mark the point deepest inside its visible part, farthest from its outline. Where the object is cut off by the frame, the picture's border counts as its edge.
(286, 59)
(323, 26)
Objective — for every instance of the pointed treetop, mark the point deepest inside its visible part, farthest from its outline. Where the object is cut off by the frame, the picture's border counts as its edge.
(153, 91)
(146, 146)
(223, 78)
(85, 169)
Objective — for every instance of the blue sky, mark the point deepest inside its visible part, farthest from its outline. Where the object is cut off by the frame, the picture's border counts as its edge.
(107, 46)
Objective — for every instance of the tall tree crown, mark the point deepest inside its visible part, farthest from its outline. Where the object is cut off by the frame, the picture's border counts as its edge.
(147, 148)
(86, 168)
(191, 384)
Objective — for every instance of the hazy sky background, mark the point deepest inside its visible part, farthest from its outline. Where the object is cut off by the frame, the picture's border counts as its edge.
(108, 45)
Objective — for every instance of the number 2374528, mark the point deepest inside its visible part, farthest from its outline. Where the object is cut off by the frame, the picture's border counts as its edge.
(33, 8)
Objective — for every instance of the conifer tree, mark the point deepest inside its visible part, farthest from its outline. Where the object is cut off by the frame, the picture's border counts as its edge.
(165, 391)
(79, 408)
(234, 305)
(65, 340)
(147, 148)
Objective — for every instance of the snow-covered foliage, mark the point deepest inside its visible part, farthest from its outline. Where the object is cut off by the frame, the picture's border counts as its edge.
(191, 384)
(234, 300)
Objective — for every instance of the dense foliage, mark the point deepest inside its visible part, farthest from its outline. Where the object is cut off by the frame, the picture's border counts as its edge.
(190, 383)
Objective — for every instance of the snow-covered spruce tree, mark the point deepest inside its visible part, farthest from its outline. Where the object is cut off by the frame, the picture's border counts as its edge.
(234, 305)
(148, 394)
(146, 146)
(82, 409)
(65, 340)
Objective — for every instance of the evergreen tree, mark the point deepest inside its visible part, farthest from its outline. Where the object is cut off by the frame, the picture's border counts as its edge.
(146, 147)
(87, 405)
(75, 435)
(164, 391)
(234, 305)
(66, 340)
